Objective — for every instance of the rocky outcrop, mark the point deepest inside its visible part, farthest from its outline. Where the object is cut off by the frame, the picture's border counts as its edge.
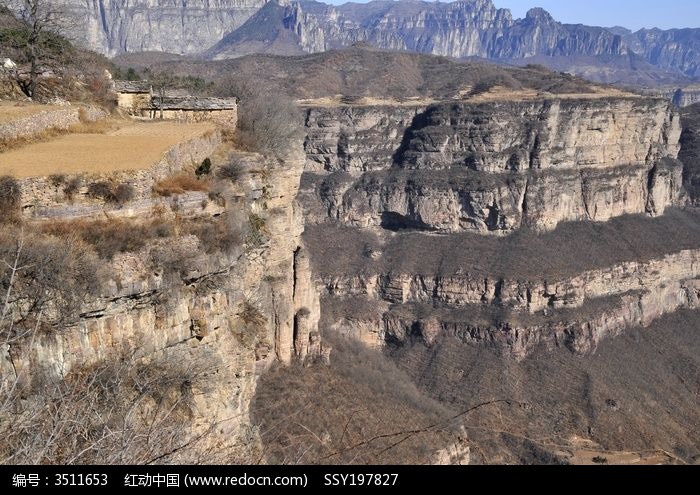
(398, 200)
(533, 296)
(205, 319)
(117, 26)
(355, 139)
(514, 318)
(568, 288)
(518, 336)
(686, 96)
(690, 152)
(494, 167)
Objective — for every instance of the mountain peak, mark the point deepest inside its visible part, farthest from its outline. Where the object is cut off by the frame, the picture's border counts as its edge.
(540, 15)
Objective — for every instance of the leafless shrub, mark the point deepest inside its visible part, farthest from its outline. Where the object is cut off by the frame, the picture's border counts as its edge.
(268, 123)
(257, 234)
(232, 171)
(57, 180)
(109, 237)
(361, 404)
(251, 315)
(179, 184)
(222, 234)
(176, 261)
(111, 192)
(10, 199)
(118, 411)
(72, 186)
(488, 82)
(51, 275)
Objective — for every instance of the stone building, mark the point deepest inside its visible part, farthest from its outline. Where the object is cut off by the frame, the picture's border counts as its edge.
(138, 99)
(194, 109)
(133, 96)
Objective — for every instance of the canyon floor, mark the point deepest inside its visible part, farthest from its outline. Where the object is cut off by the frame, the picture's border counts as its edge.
(634, 401)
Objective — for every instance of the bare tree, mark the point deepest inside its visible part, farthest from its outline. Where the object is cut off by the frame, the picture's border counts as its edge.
(38, 40)
(162, 82)
(44, 274)
(118, 411)
(267, 123)
(121, 410)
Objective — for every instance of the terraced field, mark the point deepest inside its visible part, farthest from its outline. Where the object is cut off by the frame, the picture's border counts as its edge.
(131, 146)
(11, 110)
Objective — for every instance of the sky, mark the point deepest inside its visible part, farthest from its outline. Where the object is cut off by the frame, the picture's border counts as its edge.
(633, 14)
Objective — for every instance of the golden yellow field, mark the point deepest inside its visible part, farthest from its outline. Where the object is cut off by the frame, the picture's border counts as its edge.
(10, 110)
(134, 145)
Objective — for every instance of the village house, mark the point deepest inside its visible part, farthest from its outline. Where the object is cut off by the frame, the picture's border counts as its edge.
(137, 98)
(194, 109)
(133, 96)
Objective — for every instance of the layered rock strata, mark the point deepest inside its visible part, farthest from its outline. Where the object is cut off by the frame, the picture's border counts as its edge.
(494, 167)
(511, 294)
(580, 192)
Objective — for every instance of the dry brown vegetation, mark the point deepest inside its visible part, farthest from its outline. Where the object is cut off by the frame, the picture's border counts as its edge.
(110, 237)
(268, 123)
(44, 277)
(180, 183)
(636, 393)
(10, 110)
(119, 411)
(522, 255)
(359, 72)
(359, 410)
(111, 192)
(10, 199)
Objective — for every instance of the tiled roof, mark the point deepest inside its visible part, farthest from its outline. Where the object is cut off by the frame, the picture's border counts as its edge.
(132, 86)
(193, 103)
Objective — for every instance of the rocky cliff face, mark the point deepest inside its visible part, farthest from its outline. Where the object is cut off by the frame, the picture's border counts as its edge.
(457, 29)
(406, 195)
(674, 49)
(181, 27)
(205, 321)
(495, 167)
(474, 28)
(461, 29)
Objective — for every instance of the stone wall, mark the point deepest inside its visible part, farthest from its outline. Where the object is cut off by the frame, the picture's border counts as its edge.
(41, 197)
(227, 118)
(133, 103)
(61, 118)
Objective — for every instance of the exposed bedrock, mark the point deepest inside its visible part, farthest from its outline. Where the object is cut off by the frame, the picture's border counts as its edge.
(571, 287)
(492, 167)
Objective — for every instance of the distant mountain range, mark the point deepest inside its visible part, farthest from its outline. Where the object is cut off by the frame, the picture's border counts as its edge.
(219, 29)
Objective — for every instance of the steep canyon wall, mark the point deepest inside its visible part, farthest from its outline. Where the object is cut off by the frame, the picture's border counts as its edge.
(502, 223)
